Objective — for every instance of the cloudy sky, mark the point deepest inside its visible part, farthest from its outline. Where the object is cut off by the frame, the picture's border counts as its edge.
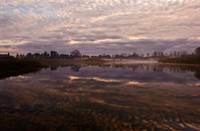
(99, 26)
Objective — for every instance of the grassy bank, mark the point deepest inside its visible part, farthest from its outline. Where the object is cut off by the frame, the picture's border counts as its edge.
(10, 68)
(63, 62)
(191, 59)
(94, 61)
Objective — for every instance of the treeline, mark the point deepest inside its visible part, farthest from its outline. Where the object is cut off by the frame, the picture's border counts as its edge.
(73, 54)
(186, 59)
(172, 56)
(77, 54)
(52, 54)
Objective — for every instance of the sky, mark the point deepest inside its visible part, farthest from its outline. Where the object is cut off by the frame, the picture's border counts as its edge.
(99, 26)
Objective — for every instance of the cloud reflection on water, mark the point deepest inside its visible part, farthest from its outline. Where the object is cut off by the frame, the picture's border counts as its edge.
(156, 95)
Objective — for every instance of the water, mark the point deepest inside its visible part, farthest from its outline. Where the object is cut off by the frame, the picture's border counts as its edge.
(134, 97)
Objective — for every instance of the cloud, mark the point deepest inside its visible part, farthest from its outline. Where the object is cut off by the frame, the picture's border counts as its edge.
(109, 47)
(91, 24)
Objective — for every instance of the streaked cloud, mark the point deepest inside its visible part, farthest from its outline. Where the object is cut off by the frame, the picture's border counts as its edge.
(101, 26)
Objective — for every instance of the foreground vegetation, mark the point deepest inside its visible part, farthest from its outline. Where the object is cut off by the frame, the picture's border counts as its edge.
(94, 61)
(78, 61)
(190, 59)
(16, 67)
(185, 59)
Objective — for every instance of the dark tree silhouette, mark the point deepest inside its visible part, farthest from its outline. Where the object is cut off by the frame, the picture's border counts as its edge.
(36, 55)
(148, 54)
(75, 54)
(28, 55)
(54, 54)
(197, 51)
(46, 54)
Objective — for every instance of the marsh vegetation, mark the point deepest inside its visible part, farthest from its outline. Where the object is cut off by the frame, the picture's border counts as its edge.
(15, 67)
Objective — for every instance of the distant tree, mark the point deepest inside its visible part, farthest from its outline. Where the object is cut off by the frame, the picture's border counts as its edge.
(21, 56)
(148, 54)
(54, 54)
(86, 56)
(17, 56)
(123, 55)
(176, 54)
(64, 56)
(197, 51)
(46, 54)
(154, 54)
(36, 55)
(183, 53)
(29, 55)
(161, 54)
(75, 54)
(133, 55)
(104, 56)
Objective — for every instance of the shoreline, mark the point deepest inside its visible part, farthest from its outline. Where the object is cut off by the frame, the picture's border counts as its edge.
(180, 64)
(38, 63)
(20, 67)
(48, 62)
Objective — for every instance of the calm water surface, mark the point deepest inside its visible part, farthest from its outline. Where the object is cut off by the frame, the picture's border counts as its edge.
(136, 97)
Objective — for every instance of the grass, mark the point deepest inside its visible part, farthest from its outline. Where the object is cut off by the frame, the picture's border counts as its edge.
(190, 59)
(62, 62)
(18, 67)
(94, 61)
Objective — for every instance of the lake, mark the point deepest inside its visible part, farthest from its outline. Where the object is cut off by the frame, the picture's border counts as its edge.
(110, 97)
